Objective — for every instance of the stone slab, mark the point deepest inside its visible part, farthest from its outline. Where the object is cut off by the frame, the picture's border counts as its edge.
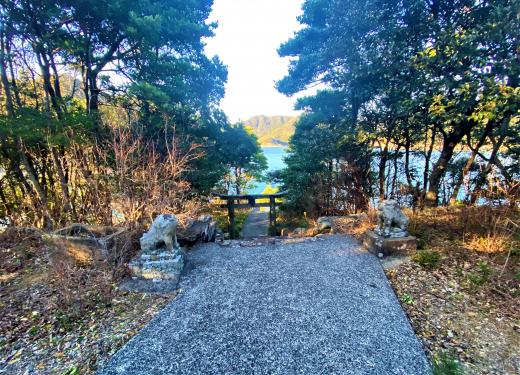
(157, 265)
(85, 243)
(377, 244)
(256, 224)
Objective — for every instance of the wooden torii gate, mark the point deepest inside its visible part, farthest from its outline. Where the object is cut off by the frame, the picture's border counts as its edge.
(250, 200)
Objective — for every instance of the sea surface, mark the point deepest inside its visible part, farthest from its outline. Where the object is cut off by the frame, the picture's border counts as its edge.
(275, 162)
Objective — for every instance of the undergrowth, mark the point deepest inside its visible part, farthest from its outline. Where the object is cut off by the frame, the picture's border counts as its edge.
(427, 258)
(222, 219)
(446, 364)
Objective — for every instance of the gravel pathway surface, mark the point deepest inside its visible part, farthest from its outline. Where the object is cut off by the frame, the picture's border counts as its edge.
(321, 306)
(256, 224)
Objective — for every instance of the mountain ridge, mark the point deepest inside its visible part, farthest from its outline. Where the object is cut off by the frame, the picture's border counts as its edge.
(272, 130)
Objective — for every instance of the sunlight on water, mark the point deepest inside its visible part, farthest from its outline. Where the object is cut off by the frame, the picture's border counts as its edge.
(275, 162)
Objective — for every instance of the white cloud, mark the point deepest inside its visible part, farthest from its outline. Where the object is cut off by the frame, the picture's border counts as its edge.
(247, 39)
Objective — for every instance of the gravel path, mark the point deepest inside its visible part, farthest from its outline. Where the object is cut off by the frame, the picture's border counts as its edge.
(256, 224)
(311, 307)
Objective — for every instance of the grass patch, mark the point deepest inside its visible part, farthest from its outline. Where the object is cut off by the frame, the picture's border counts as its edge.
(446, 364)
(427, 258)
(222, 219)
(482, 275)
(469, 269)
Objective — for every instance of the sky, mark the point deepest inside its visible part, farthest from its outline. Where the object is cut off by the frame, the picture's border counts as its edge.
(247, 39)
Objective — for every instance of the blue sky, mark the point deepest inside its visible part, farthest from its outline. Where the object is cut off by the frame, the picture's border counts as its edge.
(247, 39)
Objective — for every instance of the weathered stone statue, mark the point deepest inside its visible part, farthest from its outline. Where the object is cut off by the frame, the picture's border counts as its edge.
(162, 231)
(158, 265)
(391, 235)
(392, 222)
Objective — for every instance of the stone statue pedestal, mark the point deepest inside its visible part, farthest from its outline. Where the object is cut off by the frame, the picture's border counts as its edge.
(155, 271)
(378, 244)
(158, 266)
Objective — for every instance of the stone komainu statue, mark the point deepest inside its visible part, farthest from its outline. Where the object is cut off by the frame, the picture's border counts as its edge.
(392, 222)
(162, 231)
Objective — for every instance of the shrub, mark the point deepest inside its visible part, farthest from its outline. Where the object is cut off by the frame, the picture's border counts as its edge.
(78, 290)
(446, 364)
(482, 275)
(408, 299)
(222, 219)
(426, 258)
(422, 243)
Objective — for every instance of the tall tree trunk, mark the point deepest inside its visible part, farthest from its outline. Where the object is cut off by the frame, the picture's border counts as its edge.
(382, 171)
(14, 85)
(19, 143)
(5, 80)
(469, 162)
(57, 86)
(451, 141)
(492, 158)
(48, 222)
(396, 170)
(63, 181)
(462, 176)
(44, 64)
(426, 173)
(407, 172)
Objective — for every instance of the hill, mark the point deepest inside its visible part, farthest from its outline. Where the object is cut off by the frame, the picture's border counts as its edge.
(272, 130)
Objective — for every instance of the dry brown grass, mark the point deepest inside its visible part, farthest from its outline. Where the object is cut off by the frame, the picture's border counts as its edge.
(467, 303)
(482, 229)
(355, 226)
(58, 315)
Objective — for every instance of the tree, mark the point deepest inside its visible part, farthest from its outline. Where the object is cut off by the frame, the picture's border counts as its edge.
(75, 71)
(246, 161)
(437, 75)
(327, 168)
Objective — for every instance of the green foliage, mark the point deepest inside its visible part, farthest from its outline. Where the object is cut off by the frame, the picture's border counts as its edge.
(427, 258)
(244, 158)
(323, 158)
(71, 371)
(446, 364)
(422, 242)
(406, 75)
(89, 67)
(408, 299)
(222, 219)
(482, 275)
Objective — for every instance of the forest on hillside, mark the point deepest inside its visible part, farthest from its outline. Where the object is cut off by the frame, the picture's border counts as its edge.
(112, 106)
(420, 103)
(272, 130)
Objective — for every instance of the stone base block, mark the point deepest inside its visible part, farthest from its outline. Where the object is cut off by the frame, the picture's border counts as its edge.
(156, 271)
(376, 244)
(157, 265)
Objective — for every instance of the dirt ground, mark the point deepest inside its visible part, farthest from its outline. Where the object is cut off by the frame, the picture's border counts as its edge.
(61, 318)
(461, 291)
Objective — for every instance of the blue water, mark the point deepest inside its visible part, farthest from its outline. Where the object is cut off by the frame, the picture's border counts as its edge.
(274, 156)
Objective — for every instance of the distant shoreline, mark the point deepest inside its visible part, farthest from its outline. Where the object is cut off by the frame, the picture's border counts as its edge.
(273, 145)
